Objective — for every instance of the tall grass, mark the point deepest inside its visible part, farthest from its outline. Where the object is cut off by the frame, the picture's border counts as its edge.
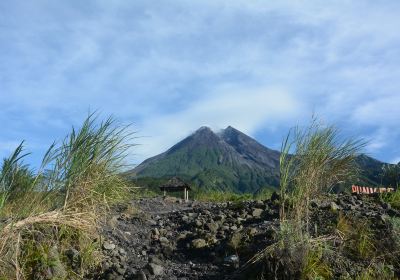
(313, 161)
(13, 176)
(65, 198)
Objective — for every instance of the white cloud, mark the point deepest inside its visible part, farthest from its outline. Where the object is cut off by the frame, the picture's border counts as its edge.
(395, 160)
(244, 109)
(173, 67)
(380, 111)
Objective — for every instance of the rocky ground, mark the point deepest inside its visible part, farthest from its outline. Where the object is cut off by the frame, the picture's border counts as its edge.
(166, 238)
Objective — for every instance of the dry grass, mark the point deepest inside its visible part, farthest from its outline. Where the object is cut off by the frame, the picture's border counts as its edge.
(44, 213)
(313, 160)
(320, 160)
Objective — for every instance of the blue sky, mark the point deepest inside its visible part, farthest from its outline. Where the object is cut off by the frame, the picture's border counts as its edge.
(170, 67)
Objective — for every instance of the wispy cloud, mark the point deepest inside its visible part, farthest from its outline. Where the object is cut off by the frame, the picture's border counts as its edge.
(243, 108)
(171, 67)
(395, 160)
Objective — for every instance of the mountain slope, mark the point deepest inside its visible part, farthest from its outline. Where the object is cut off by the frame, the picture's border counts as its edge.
(229, 160)
(371, 171)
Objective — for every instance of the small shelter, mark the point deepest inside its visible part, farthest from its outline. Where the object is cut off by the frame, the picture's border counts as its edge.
(175, 184)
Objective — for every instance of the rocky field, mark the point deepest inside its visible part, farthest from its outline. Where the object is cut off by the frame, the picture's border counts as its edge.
(156, 238)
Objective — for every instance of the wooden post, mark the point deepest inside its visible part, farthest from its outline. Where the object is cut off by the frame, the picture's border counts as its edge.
(185, 194)
(165, 193)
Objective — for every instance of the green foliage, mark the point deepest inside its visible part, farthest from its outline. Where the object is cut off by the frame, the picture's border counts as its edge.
(392, 198)
(395, 222)
(202, 166)
(320, 160)
(344, 227)
(60, 206)
(370, 172)
(362, 241)
(17, 178)
(315, 267)
(377, 271)
(313, 161)
(359, 238)
(14, 177)
(88, 161)
(219, 196)
(263, 194)
(391, 173)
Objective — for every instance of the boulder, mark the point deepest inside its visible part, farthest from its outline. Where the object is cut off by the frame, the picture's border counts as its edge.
(198, 223)
(108, 246)
(252, 231)
(199, 243)
(257, 212)
(163, 240)
(155, 269)
(213, 227)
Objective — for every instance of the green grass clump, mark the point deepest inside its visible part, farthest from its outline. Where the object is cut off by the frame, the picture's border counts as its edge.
(59, 207)
(358, 236)
(313, 161)
(315, 267)
(263, 194)
(225, 196)
(377, 271)
(220, 196)
(395, 222)
(362, 241)
(392, 198)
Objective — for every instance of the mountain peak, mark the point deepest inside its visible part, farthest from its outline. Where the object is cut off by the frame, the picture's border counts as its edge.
(231, 130)
(228, 160)
(204, 132)
(203, 129)
(220, 160)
